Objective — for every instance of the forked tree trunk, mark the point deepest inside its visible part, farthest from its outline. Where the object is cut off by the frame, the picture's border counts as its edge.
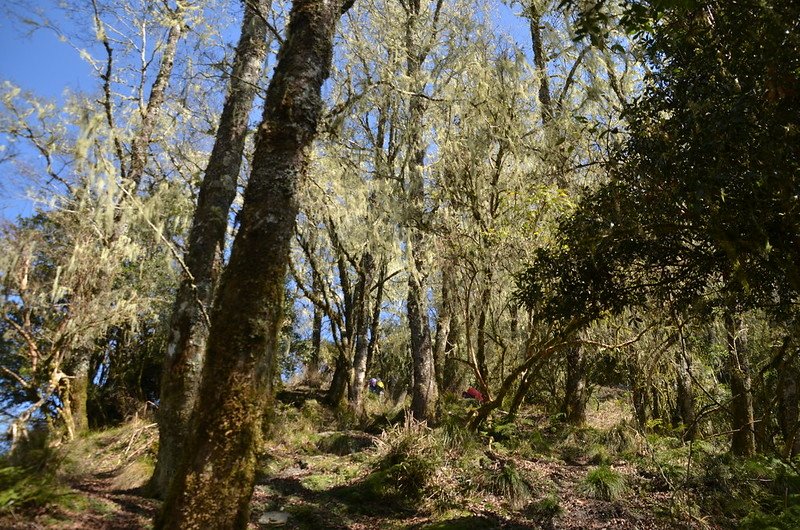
(215, 480)
(743, 441)
(362, 318)
(149, 114)
(183, 363)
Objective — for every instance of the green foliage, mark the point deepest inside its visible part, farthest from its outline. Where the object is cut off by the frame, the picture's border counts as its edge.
(788, 519)
(604, 483)
(546, 509)
(578, 446)
(705, 190)
(296, 428)
(411, 458)
(25, 487)
(28, 475)
(504, 479)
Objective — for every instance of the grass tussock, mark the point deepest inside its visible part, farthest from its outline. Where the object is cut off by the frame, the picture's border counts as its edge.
(410, 464)
(605, 484)
(504, 479)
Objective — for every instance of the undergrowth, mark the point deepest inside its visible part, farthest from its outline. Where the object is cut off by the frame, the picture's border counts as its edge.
(605, 484)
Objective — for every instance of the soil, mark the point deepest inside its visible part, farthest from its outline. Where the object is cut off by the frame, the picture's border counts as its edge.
(320, 489)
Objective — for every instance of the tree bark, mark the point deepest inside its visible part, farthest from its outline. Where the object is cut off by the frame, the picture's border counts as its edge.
(374, 326)
(789, 406)
(639, 395)
(424, 395)
(574, 407)
(480, 347)
(366, 275)
(78, 394)
(312, 370)
(453, 374)
(443, 321)
(183, 363)
(540, 61)
(685, 395)
(743, 441)
(338, 389)
(215, 480)
(149, 115)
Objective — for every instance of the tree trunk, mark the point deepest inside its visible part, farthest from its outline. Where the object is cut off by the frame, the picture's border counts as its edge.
(443, 321)
(453, 374)
(363, 313)
(685, 395)
(480, 347)
(215, 480)
(574, 407)
(374, 326)
(789, 407)
(521, 392)
(338, 389)
(638, 393)
(424, 392)
(149, 115)
(77, 394)
(183, 363)
(742, 419)
(540, 61)
(312, 370)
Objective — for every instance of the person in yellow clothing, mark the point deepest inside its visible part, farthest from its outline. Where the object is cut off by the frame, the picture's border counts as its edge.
(376, 386)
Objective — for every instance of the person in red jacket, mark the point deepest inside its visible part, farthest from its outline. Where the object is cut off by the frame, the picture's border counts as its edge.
(473, 393)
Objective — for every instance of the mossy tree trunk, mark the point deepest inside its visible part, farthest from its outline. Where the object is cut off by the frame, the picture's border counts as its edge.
(312, 370)
(685, 394)
(743, 441)
(362, 318)
(374, 326)
(424, 395)
(574, 406)
(185, 356)
(214, 483)
(78, 392)
(789, 404)
(443, 319)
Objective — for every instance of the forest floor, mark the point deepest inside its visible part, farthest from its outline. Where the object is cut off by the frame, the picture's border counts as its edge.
(325, 477)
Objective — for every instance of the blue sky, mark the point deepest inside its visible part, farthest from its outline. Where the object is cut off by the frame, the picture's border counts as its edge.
(38, 61)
